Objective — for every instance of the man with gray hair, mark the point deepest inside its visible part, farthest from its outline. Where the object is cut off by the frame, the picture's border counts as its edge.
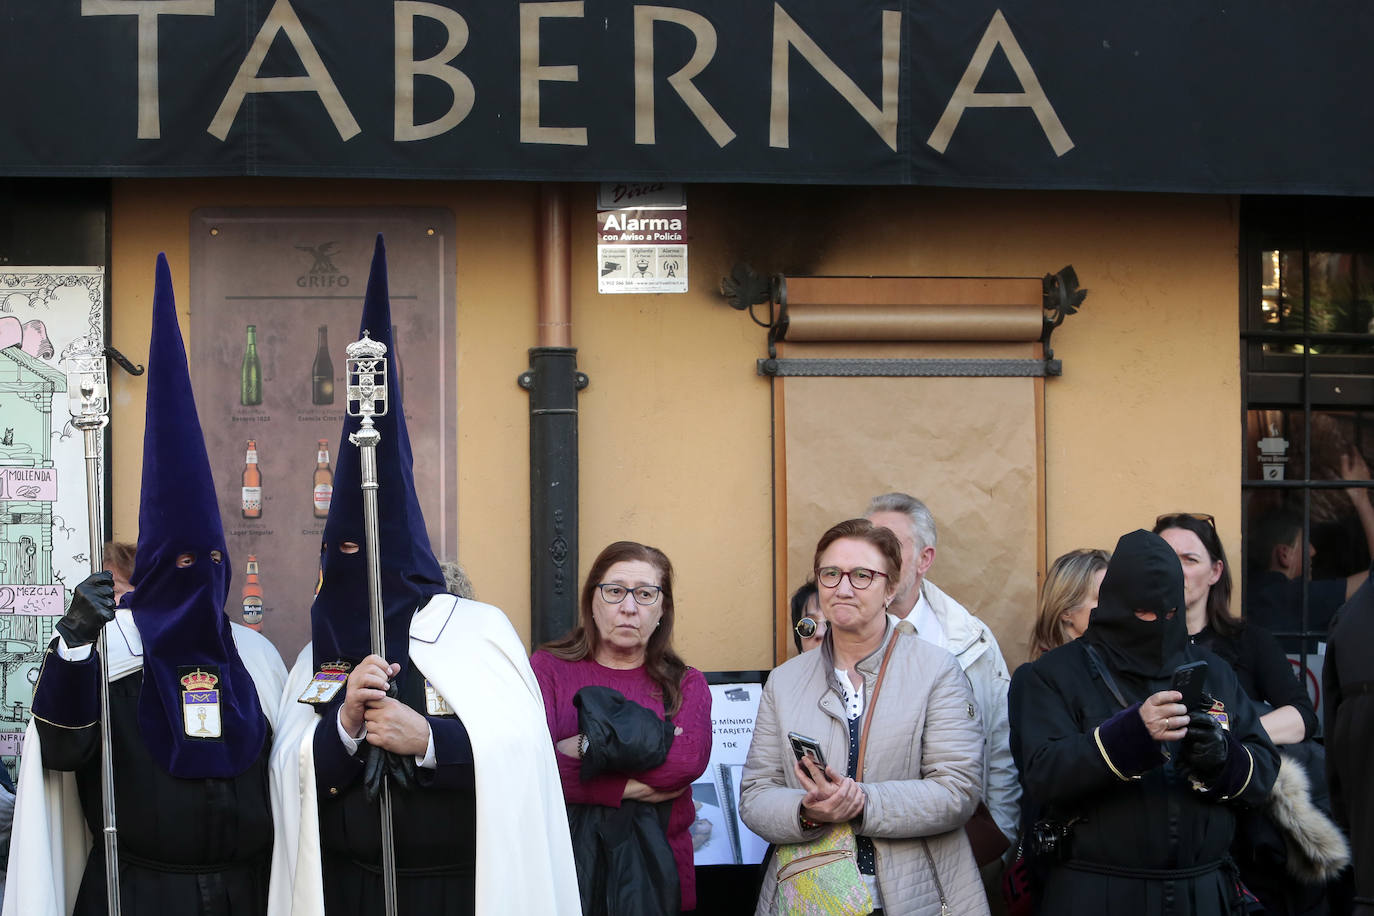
(941, 620)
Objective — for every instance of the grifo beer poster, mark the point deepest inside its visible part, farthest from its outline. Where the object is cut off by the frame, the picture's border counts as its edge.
(276, 297)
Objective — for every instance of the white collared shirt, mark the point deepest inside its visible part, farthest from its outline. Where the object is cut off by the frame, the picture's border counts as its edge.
(927, 625)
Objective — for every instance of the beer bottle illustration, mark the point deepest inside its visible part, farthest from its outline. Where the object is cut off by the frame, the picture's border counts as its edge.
(252, 596)
(322, 372)
(324, 481)
(250, 377)
(252, 482)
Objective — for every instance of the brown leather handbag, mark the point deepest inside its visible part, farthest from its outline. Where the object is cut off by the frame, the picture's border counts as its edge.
(986, 838)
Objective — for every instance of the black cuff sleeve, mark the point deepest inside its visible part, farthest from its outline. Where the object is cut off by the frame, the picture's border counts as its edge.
(1125, 744)
(1236, 774)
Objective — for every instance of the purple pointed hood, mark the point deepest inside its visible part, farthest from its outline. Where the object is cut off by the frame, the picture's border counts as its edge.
(410, 573)
(179, 609)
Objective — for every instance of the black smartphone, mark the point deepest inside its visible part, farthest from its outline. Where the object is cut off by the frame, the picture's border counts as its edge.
(803, 746)
(1187, 680)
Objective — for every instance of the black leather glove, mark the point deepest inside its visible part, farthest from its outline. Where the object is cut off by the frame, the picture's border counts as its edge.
(92, 607)
(382, 764)
(1202, 752)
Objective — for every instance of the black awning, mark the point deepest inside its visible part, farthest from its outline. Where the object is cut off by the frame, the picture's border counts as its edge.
(1179, 95)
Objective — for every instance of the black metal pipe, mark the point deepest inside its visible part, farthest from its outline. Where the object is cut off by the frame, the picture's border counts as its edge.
(553, 382)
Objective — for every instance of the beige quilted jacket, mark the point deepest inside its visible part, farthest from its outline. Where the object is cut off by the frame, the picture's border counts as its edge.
(922, 770)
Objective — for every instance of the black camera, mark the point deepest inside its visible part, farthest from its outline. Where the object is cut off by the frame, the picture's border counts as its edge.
(1049, 840)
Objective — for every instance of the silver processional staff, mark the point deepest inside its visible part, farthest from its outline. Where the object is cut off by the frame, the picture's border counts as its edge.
(88, 403)
(367, 398)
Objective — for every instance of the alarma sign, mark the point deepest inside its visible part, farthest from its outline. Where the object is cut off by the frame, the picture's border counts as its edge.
(642, 248)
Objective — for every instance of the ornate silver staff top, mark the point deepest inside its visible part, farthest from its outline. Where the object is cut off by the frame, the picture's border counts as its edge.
(88, 399)
(366, 381)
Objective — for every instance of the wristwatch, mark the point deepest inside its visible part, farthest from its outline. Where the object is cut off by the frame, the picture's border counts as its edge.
(583, 744)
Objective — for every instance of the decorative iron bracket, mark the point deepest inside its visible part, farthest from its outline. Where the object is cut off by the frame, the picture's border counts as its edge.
(124, 362)
(1062, 299)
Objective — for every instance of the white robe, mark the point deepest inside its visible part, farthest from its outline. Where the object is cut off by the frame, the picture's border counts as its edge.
(49, 844)
(473, 657)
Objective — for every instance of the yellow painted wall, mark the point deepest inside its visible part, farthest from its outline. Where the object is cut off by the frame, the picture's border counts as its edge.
(675, 433)
(1146, 418)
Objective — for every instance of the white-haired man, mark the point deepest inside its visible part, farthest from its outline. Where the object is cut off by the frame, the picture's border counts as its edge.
(941, 620)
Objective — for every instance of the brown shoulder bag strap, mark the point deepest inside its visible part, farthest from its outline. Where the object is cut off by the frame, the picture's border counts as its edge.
(871, 704)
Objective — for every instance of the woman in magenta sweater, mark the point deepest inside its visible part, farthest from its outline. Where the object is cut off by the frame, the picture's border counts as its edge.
(625, 642)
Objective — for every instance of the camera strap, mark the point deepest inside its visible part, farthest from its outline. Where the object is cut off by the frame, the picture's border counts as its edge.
(1100, 669)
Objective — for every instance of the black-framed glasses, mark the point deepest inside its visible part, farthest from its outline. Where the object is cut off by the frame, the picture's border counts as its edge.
(644, 595)
(1174, 516)
(859, 577)
(807, 627)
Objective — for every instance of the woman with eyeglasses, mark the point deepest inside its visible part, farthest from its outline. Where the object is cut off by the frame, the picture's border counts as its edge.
(631, 725)
(910, 708)
(1287, 713)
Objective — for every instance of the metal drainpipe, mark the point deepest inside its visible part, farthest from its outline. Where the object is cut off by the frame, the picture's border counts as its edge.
(553, 382)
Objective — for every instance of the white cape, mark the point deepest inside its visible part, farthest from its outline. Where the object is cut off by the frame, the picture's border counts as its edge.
(472, 655)
(49, 843)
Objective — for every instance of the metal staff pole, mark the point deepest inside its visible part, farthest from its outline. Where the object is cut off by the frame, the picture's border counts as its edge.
(89, 404)
(367, 398)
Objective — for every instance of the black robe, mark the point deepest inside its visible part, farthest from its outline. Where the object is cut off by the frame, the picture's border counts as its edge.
(1260, 850)
(1157, 823)
(1348, 679)
(435, 824)
(187, 847)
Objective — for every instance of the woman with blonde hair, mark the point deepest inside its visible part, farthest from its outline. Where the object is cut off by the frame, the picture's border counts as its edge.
(1067, 598)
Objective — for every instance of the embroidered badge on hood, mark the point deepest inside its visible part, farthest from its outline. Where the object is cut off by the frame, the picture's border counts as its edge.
(328, 681)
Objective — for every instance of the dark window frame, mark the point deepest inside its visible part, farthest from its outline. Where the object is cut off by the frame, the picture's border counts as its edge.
(1312, 382)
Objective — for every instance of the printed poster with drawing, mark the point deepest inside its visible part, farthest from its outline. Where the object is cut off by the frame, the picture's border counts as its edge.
(719, 837)
(44, 540)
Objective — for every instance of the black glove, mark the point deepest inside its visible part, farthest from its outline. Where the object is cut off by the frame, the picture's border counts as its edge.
(1202, 752)
(92, 607)
(382, 764)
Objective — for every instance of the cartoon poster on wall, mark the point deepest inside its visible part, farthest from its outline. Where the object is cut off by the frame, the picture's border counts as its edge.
(44, 532)
(276, 297)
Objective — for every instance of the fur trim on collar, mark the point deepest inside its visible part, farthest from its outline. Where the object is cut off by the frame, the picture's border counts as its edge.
(1317, 850)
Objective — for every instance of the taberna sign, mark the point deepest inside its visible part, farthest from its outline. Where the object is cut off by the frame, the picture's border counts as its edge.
(975, 93)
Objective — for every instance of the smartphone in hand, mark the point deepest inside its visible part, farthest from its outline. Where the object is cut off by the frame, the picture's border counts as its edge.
(802, 746)
(1188, 680)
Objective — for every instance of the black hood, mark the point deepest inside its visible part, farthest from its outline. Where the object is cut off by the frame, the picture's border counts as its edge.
(1144, 575)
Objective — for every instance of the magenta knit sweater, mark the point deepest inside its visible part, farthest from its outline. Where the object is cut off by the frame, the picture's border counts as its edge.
(560, 680)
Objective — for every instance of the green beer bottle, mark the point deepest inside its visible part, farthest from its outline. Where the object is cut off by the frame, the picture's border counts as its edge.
(250, 378)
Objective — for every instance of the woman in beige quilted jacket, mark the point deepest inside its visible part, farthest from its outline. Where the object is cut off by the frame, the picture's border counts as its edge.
(923, 759)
